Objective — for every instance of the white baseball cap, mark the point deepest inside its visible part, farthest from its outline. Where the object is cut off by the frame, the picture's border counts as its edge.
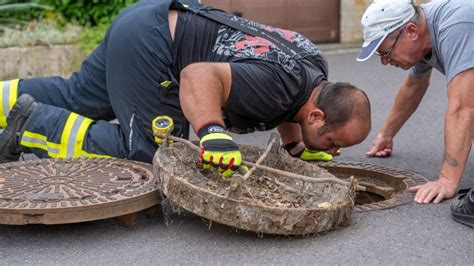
(380, 19)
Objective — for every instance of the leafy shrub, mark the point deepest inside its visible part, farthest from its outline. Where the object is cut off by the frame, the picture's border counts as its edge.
(55, 21)
(89, 12)
(13, 12)
(85, 12)
(91, 37)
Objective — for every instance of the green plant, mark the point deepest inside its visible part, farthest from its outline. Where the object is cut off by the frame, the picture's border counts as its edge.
(94, 15)
(91, 37)
(9, 8)
(89, 12)
(55, 20)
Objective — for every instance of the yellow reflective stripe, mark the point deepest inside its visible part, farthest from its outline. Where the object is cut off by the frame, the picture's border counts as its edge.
(165, 84)
(216, 136)
(75, 129)
(38, 141)
(69, 139)
(66, 134)
(8, 96)
(81, 134)
(3, 115)
(80, 142)
(92, 155)
(13, 92)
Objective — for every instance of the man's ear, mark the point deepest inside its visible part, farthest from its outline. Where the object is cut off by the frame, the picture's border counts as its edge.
(316, 116)
(412, 31)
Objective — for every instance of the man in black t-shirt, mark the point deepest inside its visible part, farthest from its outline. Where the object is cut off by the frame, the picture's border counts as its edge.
(160, 57)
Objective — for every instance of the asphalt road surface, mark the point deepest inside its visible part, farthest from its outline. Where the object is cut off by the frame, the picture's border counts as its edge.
(412, 234)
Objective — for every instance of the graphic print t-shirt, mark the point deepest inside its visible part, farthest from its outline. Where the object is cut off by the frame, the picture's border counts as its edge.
(268, 85)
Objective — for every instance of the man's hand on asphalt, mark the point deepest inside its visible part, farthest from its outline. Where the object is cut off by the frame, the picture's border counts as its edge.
(381, 146)
(434, 191)
(219, 150)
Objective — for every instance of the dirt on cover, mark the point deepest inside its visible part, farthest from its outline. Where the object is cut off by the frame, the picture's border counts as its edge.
(264, 203)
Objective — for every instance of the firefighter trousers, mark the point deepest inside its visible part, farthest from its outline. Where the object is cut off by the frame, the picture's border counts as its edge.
(127, 77)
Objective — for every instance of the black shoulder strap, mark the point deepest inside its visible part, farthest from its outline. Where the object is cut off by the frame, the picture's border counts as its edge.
(215, 15)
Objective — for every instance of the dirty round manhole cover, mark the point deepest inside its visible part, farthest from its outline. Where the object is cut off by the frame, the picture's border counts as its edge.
(386, 187)
(76, 190)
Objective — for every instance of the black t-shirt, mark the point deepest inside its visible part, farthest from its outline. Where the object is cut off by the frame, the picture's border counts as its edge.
(268, 85)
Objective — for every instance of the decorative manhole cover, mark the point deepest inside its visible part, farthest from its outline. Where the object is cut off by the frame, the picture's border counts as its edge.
(386, 187)
(77, 190)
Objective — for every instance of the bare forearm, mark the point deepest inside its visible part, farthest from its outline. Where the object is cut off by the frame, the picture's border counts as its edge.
(458, 141)
(290, 132)
(203, 92)
(458, 129)
(458, 144)
(406, 103)
(199, 109)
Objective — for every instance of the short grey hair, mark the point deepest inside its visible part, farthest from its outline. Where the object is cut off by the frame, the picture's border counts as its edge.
(415, 20)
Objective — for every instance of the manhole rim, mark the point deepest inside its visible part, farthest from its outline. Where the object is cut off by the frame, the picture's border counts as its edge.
(70, 216)
(398, 199)
(26, 211)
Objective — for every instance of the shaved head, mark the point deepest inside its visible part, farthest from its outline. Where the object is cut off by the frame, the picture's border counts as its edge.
(341, 102)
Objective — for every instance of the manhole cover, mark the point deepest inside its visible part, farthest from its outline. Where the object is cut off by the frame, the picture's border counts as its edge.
(386, 187)
(77, 190)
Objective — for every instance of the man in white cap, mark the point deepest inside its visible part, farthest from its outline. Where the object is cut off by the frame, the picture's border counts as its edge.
(436, 35)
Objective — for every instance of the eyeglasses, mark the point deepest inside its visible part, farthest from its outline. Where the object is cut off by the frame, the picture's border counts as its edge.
(387, 54)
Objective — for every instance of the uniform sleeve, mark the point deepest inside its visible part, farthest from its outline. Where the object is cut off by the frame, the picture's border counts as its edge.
(261, 90)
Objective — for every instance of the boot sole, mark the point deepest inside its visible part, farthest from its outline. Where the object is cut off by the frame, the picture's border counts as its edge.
(464, 219)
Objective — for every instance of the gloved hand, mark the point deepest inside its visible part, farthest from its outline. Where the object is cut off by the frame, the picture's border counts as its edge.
(298, 150)
(309, 155)
(218, 150)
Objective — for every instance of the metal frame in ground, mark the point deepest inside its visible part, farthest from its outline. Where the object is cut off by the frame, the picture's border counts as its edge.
(397, 179)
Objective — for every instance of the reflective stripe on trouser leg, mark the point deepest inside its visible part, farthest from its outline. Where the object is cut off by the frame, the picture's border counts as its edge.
(8, 96)
(71, 140)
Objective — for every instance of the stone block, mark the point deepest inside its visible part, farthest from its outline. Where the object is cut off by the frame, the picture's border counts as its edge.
(39, 61)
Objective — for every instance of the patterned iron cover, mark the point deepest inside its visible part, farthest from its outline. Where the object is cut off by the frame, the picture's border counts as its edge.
(57, 191)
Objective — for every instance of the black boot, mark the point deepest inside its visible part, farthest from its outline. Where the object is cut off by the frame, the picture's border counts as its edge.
(462, 208)
(10, 149)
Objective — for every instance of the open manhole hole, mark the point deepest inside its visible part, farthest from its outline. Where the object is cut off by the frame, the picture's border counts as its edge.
(386, 187)
(77, 190)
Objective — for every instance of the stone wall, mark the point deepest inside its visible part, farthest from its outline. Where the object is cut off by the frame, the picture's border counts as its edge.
(38, 61)
(351, 13)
